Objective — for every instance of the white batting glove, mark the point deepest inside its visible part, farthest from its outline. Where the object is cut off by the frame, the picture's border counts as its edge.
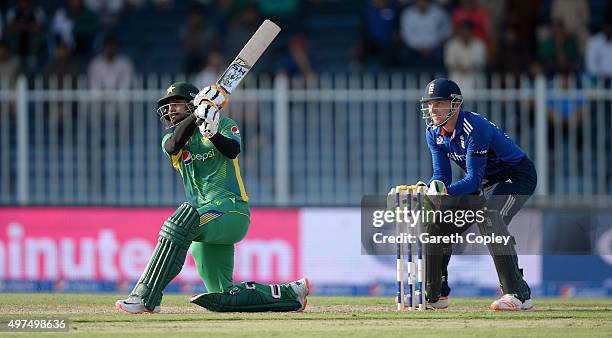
(209, 116)
(213, 95)
(205, 111)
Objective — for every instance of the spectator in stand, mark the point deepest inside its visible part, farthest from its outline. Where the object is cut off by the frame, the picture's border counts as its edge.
(211, 71)
(297, 61)
(424, 27)
(61, 66)
(61, 72)
(61, 27)
(566, 126)
(520, 59)
(196, 40)
(574, 14)
(598, 56)
(380, 33)
(465, 58)
(77, 26)
(558, 52)
(110, 70)
(564, 111)
(524, 16)
(9, 65)
(24, 28)
(479, 17)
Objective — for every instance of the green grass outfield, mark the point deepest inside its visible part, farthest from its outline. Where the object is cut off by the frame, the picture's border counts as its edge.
(325, 316)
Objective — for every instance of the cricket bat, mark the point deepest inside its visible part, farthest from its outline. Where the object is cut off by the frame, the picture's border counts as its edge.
(248, 56)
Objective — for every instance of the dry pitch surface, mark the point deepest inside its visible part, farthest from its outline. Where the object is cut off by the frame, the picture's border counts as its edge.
(325, 316)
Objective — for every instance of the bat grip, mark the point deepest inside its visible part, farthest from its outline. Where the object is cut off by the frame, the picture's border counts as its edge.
(222, 89)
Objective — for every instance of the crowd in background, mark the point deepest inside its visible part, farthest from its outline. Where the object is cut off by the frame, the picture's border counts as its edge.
(113, 41)
(470, 37)
(66, 38)
(463, 38)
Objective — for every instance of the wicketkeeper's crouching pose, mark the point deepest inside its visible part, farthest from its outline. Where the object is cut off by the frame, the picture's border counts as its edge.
(496, 169)
(203, 147)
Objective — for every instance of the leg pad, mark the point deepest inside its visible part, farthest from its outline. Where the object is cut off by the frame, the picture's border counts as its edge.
(504, 257)
(169, 255)
(250, 297)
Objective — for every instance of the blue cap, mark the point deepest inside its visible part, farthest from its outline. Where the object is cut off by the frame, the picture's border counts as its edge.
(441, 89)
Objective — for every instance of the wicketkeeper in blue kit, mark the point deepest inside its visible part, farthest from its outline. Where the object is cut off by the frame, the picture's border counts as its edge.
(496, 168)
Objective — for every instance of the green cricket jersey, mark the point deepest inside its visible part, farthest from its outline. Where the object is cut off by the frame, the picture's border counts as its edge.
(207, 174)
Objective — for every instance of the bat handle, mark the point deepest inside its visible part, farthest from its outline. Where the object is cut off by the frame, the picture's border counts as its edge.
(222, 89)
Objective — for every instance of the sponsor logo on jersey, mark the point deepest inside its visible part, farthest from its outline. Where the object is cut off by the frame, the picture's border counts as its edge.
(203, 157)
(456, 157)
(462, 140)
(235, 130)
(186, 155)
(440, 139)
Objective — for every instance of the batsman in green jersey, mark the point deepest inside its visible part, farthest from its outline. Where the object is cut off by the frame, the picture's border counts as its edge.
(203, 147)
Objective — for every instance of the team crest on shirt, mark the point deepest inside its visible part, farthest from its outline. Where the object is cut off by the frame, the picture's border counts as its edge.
(235, 130)
(186, 156)
(462, 141)
(440, 139)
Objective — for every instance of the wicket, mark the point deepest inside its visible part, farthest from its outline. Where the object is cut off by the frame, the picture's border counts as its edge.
(411, 198)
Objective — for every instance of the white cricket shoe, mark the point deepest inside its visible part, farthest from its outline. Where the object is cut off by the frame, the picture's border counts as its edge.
(442, 303)
(509, 302)
(134, 305)
(302, 288)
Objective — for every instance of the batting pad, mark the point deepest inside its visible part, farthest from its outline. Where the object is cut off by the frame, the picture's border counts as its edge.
(169, 255)
(250, 297)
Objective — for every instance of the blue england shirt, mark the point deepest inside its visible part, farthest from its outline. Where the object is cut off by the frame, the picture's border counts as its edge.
(478, 146)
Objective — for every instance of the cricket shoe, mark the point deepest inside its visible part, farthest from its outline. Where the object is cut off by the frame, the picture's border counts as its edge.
(442, 303)
(509, 302)
(133, 305)
(302, 289)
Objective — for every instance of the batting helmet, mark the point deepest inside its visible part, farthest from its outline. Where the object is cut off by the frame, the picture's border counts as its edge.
(168, 113)
(441, 89)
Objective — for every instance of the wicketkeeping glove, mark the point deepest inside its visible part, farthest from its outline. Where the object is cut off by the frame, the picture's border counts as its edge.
(434, 191)
(437, 188)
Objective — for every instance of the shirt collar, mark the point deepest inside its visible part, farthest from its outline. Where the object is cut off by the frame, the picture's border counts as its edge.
(458, 128)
